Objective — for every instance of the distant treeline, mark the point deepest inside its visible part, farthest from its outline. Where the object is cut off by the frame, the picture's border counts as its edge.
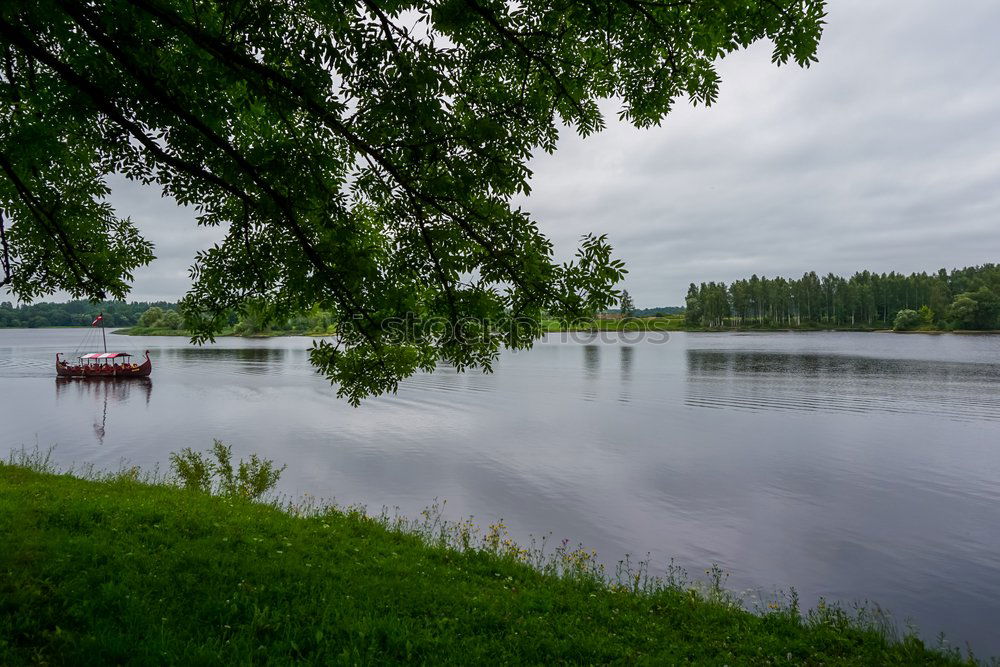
(76, 313)
(153, 315)
(251, 321)
(656, 312)
(966, 298)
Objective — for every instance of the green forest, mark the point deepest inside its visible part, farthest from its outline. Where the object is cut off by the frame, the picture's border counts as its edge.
(967, 298)
(76, 313)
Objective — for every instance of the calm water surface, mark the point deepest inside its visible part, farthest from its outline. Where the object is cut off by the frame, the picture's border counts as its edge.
(850, 466)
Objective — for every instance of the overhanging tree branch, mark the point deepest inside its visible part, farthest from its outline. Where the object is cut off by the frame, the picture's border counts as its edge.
(8, 277)
(357, 163)
(229, 55)
(50, 224)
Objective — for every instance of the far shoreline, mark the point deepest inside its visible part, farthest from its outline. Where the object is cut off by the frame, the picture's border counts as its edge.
(154, 331)
(132, 331)
(138, 331)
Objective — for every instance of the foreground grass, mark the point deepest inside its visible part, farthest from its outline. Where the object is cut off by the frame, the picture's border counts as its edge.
(97, 572)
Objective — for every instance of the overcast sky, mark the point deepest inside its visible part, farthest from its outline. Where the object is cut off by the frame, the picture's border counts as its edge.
(885, 155)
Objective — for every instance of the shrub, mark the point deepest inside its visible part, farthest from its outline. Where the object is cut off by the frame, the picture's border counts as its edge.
(191, 468)
(151, 317)
(975, 310)
(171, 320)
(906, 320)
(250, 479)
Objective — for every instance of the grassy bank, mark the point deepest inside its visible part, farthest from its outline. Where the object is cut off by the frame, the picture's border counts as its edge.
(636, 324)
(109, 571)
(677, 323)
(161, 331)
(647, 324)
(227, 332)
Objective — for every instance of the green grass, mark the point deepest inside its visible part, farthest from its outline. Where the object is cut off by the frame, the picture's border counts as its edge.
(667, 323)
(678, 323)
(117, 570)
(228, 331)
(161, 331)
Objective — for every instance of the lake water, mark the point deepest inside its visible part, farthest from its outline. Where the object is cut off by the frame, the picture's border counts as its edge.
(850, 466)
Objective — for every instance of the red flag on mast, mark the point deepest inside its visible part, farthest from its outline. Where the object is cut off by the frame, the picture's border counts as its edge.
(99, 318)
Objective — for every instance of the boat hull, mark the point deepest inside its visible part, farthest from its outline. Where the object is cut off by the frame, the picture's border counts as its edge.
(103, 372)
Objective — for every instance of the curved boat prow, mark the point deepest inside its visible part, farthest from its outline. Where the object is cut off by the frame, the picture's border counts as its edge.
(145, 368)
(62, 368)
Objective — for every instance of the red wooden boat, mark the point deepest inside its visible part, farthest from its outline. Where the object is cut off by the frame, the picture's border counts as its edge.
(103, 364)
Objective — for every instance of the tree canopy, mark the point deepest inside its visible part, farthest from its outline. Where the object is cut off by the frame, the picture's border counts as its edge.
(626, 306)
(906, 320)
(362, 155)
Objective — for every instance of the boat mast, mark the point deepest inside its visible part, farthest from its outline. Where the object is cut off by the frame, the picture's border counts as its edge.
(103, 337)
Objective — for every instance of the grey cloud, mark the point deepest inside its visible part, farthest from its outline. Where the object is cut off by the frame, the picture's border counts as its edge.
(885, 155)
(173, 231)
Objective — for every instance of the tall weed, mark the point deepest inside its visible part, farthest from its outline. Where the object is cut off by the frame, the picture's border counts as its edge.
(213, 472)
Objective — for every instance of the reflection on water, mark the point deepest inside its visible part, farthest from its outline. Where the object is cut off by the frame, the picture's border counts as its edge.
(104, 389)
(100, 392)
(591, 370)
(625, 356)
(760, 381)
(592, 361)
(250, 360)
